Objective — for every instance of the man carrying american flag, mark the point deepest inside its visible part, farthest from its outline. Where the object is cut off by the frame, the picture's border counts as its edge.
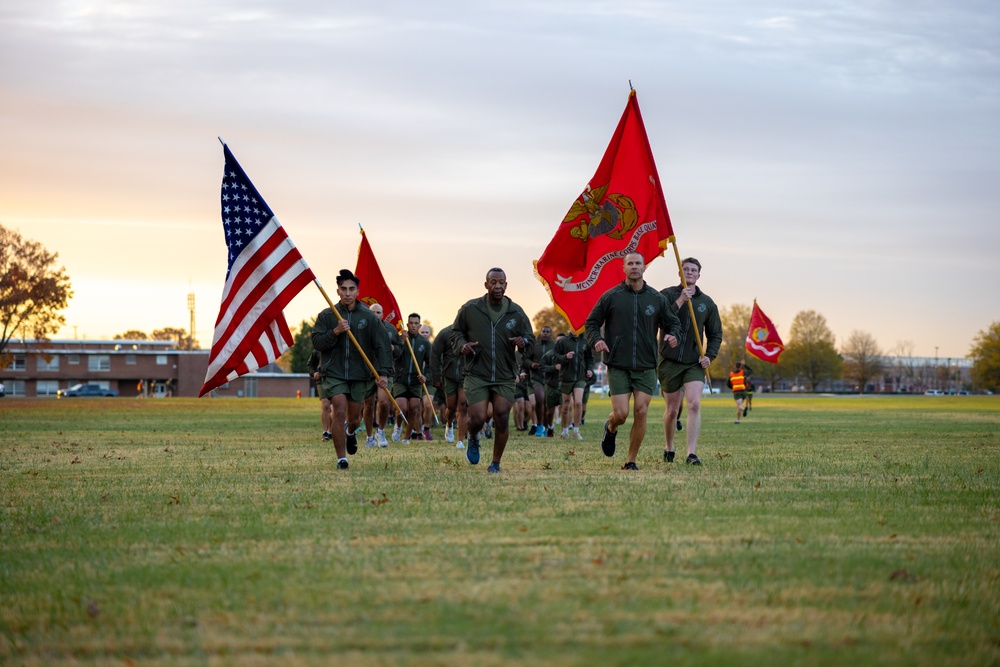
(344, 376)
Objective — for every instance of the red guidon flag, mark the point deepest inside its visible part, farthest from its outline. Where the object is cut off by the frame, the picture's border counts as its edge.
(373, 288)
(621, 211)
(763, 341)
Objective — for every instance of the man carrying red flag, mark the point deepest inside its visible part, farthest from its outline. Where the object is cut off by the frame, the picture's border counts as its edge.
(621, 211)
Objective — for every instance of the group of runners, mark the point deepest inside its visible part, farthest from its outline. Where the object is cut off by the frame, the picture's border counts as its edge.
(488, 363)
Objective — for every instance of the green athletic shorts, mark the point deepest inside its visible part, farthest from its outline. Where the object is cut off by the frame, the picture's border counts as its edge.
(739, 395)
(568, 387)
(478, 390)
(621, 381)
(674, 375)
(451, 387)
(401, 390)
(586, 394)
(552, 397)
(356, 390)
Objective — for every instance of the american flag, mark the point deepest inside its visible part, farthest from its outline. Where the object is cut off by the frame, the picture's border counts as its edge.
(265, 272)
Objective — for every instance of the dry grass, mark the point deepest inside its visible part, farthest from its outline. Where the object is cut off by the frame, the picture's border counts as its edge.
(820, 531)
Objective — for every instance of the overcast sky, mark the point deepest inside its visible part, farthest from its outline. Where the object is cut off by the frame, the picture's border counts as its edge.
(836, 156)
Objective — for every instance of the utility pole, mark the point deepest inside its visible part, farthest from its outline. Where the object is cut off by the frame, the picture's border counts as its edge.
(191, 328)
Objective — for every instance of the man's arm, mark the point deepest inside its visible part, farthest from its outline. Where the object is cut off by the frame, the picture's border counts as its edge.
(713, 332)
(594, 322)
(323, 335)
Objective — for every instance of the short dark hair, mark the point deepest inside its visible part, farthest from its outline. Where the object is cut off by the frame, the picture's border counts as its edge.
(691, 260)
(412, 315)
(495, 269)
(347, 274)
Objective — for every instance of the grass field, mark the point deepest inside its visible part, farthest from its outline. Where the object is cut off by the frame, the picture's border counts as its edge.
(821, 531)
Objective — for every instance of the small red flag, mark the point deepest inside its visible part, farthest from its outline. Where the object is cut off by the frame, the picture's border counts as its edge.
(763, 341)
(621, 211)
(373, 288)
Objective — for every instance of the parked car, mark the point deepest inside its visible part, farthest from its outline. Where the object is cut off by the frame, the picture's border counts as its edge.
(86, 390)
(933, 392)
(601, 389)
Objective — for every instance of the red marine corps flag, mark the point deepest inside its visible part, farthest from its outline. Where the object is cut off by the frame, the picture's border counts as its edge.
(373, 288)
(763, 341)
(265, 272)
(621, 211)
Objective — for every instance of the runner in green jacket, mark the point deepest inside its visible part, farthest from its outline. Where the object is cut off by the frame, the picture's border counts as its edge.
(682, 365)
(623, 325)
(486, 332)
(346, 378)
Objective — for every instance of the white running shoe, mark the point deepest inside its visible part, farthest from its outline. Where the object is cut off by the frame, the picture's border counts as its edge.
(370, 441)
(395, 432)
(579, 436)
(404, 442)
(380, 437)
(449, 434)
(460, 445)
(565, 433)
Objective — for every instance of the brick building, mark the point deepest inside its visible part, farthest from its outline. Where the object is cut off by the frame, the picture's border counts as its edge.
(132, 367)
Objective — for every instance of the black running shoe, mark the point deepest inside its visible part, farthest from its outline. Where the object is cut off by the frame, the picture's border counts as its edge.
(680, 426)
(608, 441)
(693, 460)
(744, 412)
(352, 443)
(342, 464)
(327, 435)
(668, 456)
(630, 466)
(494, 468)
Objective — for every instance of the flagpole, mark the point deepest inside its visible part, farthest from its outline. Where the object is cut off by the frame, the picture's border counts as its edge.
(743, 359)
(416, 365)
(363, 355)
(694, 321)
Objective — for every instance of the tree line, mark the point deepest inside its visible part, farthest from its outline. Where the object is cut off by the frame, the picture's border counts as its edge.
(34, 292)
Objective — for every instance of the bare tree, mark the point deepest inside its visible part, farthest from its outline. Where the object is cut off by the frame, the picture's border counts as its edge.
(862, 358)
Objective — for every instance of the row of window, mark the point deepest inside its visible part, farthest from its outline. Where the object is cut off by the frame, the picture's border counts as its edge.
(95, 362)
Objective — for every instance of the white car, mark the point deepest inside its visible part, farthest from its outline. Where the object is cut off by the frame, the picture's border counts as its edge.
(933, 392)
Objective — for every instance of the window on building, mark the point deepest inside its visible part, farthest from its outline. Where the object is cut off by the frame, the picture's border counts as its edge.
(18, 363)
(161, 360)
(46, 387)
(130, 359)
(74, 359)
(250, 387)
(51, 365)
(98, 362)
(14, 387)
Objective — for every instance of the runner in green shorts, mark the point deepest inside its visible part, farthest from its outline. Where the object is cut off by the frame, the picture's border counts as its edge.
(487, 331)
(623, 326)
(683, 361)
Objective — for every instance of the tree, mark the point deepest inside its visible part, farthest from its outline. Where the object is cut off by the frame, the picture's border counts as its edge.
(904, 373)
(132, 334)
(301, 349)
(985, 354)
(32, 291)
(184, 342)
(735, 320)
(550, 317)
(862, 359)
(810, 351)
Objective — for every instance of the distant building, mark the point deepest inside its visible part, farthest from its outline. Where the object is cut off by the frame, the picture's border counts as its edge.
(136, 368)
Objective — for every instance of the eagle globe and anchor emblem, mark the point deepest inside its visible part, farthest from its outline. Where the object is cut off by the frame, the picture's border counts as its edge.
(600, 214)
